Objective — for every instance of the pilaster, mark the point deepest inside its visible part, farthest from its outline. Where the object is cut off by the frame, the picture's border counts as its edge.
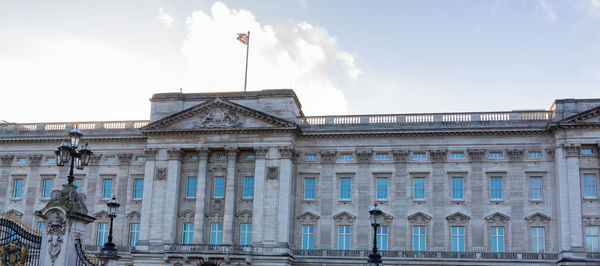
(121, 193)
(365, 197)
(229, 197)
(30, 194)
(326, 198)
(438, 198)
(478, 195)
(203, 154)
(259, 194)
(6, 161)
(145, 217)
(285, 195)
(518, 197)
(574, 195)
(171, 206)
(400, 205)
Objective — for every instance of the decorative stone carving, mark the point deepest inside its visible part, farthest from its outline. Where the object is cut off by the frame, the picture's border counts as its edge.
(55, 230)
(161, 173)
(458, 218)
(497, 218)
(186, 216)
(34, 159)
(438, 155)
(419, 218)
(261, 152)
(218, 118)
(95, 159)
(124, 158)
(307, 217)
(344, 218)
(550, 152)
(590, 220)
(231, 152)
(327, 156)
(364, 156)
(537, 218)
(218, 168)
(203, 153)
(7, 160)
(286, 152)
(476, 155)
(400, 155)
(272, 172)
(515, 154)
(132, 216)
(75, 202)
(15, 214)
(214, 217)
(175, 154)
(244, 217)
(571, 150)
(151, 153)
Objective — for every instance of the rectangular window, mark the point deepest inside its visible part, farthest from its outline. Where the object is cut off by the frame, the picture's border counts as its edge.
(346, 156)
(138, 188)
(457, 188)
(249, 155)
(495, 155)
(194, 156)
(534, 154)
(419, 238)
(190, 187)
(419, 155)
(222, 156)
(310, 157)
(344, 237)
(187, 236)
(77, 183)
(245, 234)
(592, 238)
(588, 151)
(21, 159)
(216, 234)
(102, 234)
(110, 159)
(134, 234)
(140, 159)
(40, 226)
(496, 188)
(497, 238)
(17, 188)
(46, 188)
(538, 243)
(419, 188)
(248, 187)
(345, 188)
(50, 159)
(457, 155)
(309, 188)
(589, 185)
(458, 238)
(382, 188)
(107, 188)
(535, 188)
(219, 190)
(308, 237)
(382, 237)
(382, 156)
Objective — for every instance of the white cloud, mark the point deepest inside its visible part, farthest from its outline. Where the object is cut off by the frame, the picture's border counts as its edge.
(547, 10)
(164, 17)
(592, 7)
(297, 55)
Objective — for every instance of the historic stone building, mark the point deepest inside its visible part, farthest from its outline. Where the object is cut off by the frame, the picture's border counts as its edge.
(246, 178)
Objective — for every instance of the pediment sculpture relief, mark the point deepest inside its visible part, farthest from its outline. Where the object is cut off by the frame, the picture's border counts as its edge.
(218, 118)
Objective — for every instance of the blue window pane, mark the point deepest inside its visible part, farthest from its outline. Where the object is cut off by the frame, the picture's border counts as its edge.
(458, 238)
(419, 155)
(245, 234)
(537, 239)
(107, 189)
(497, 239)
(47, 188)
(343, 237)
(134, 234)
(188, 233)
(308, 237)
(535, 188)
(309, 188)
(382, 188)
(216, 234)
(190, 188)
(419, 188)
(495, 155)
(18, 188)
(382, 156)
(419, 238)
(138, 188)
(346, 156)
(457, 188)
(587, 151)
(102, 233)
(382, 237)
(496, 188)
(589, 185)
(248, 187)
(140, 159)
(345, 188)
(219, 190)
(534, 154)
(77, 183)
(310, 157)
(457, 155)
(40, 227)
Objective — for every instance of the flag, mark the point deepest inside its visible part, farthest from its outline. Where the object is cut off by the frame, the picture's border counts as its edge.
(243, 38)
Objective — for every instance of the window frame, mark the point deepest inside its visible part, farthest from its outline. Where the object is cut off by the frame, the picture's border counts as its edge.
(216, 234)
(346, 156)
(414, 179)
(380, 237)
(134, 234)
(529, 153)
(104, 233)
(246, 235)
(103, 188)
(310, 157)
(135, 189)
(497, 236)
(341, 189)
(387, 188)
(214, 190)
(583, 184)
(588, 236)
(382, 156)
(187, 233)
(346, 236)
(536, 237)
(452, 188)
(314, 188)
(458, 237)
(246, 187)
(491, 189)
(490, 157)
(418, 236)
(530, 188)
(462, 155)
(416, 155)
(309, 235)
(45, 196)
(14, 187)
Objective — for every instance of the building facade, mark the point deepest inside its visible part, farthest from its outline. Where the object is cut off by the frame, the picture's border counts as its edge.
(247, 179)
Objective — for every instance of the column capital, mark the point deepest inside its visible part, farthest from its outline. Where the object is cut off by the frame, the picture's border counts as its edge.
(364, 156)
(286, 152)
(476, 155)
(203, 153)
(124, 158)
(151, 153)
(261, 152)
(7, 160)
(95, 159)
(400, 155)
(231, 152)
(328, 156)
(175, 154)
(34, 159)
(571, 150)
(550, 152)
(515, 154)
(438, 156)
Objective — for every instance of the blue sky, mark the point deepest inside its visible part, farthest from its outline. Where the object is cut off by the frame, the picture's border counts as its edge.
(341, 57)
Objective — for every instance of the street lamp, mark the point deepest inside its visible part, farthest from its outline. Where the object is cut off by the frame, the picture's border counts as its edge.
(375, 214)
(113, 206)
(67, 153)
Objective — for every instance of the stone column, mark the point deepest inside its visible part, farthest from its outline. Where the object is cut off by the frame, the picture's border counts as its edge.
(439, 197)
(569, 198)
(121, 193)
(327, 199)
(401, 201)
(518, 197)
(32, 185)
(478, 195)
(229, 197)
(171, 206)
(145, 216)
(203, 154)
(285, 196)
(65, 217)
(363, 179)
(4, 178)
(259, 194)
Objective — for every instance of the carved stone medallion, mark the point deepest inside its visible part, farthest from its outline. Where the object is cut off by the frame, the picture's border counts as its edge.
(161, 173)
(218, 118)
(272, 172)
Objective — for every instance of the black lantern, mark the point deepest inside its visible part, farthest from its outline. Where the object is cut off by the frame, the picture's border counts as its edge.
(67, 153)
(112, 207)
(375, 214)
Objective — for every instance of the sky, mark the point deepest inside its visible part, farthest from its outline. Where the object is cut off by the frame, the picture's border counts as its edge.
(103, 60)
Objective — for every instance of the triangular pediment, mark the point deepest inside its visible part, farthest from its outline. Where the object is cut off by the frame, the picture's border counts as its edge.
(133, 215)
(307, 217)
(458, 217)
(218, 115)
(497, 217)
(585, 117)
(14, 213)
(344, 217)
(537, 218)
(101, 214)
(419, 217)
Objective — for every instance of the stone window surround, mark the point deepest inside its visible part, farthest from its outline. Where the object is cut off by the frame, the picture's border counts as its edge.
(316, 154)
(183, 217)
(342, 153)
(131, 185)
(213, 217)
(497, 219)
(303, 176)
(308, 218)
(338, 187)
(41, 186)
(241, 174)
(414, 152)
(539, 220)
(459, 219)
(538, 150)
(388, 153)
(466, 192)
(505, 185)
(528, 175)
(418, 219)
(387, 175)
(450, 152)
(344, 219)
(218, 170)
(11, 186)
(101, 217)
(414, 175)
(100, 187)
(489, 152)
(583, 172)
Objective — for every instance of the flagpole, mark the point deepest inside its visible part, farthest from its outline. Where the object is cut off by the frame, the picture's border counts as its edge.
(247, 50)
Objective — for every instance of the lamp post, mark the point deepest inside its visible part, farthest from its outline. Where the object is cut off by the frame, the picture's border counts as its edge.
(67, 153)
(113, 206)
(375, 214)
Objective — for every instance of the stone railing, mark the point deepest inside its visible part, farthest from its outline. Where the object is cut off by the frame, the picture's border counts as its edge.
(83, 126)
(205, 248)
(429, 254)
(120, 249)
(426, 118)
